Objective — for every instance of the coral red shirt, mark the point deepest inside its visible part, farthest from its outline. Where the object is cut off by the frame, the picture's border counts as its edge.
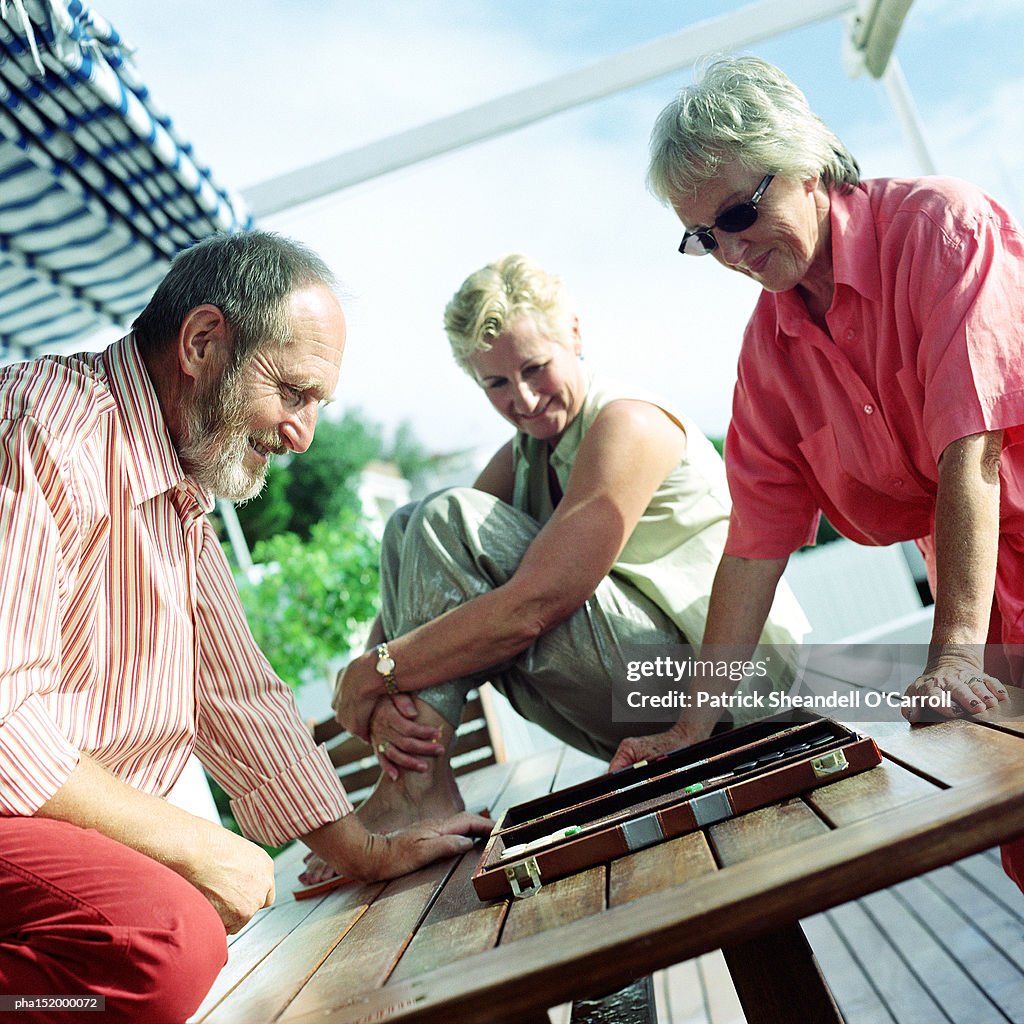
(121, 632)
(925, 345)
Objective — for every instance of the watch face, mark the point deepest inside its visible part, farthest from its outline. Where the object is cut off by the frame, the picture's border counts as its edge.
(385, 666)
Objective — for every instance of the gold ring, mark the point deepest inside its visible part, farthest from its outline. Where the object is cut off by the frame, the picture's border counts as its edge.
(382, 747)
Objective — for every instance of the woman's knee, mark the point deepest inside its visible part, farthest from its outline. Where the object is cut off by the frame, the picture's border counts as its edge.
(454, 505)
(438, 512)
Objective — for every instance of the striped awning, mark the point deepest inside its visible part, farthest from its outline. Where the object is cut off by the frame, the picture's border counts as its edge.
(97, 190)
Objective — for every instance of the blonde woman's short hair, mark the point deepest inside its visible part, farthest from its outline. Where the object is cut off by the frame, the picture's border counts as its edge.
(494, 296)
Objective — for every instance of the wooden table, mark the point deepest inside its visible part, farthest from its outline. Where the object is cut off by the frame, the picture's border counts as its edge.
(423, 948)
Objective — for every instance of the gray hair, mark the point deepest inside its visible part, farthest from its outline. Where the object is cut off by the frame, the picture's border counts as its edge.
(743, 108)
(248, 276)
(495, 295)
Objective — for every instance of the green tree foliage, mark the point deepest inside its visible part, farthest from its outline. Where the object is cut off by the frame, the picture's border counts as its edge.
(271, 512)
(315, 598)
(318, 484)
(321, 481)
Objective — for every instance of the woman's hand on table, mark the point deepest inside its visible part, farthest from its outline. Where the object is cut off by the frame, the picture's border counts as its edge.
(399, 740)
(634, 749)
(971, 689)
(357, 690)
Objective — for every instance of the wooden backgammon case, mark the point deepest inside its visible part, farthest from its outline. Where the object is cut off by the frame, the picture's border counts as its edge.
(727, 775)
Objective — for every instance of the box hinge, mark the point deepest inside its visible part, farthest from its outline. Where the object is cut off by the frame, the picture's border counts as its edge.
(829, 764)
(524, 877)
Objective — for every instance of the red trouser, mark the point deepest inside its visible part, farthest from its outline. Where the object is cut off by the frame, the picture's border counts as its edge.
(81, 914)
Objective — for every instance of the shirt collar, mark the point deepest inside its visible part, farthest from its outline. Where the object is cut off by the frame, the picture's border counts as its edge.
(151, 460)
(855, 243)
(854, 256)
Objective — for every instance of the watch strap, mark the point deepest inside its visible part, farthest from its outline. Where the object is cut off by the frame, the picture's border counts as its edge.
(386, 668)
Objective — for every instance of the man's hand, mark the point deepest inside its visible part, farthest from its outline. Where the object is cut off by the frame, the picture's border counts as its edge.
(397, 853)
(350, 850)
(236, 876)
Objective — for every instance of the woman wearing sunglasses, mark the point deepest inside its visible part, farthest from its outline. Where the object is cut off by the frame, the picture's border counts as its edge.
(881, 377)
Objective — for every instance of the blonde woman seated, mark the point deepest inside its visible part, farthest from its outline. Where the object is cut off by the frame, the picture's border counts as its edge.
(600, 523)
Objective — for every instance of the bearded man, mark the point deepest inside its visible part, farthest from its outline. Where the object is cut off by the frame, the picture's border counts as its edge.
(123, 646)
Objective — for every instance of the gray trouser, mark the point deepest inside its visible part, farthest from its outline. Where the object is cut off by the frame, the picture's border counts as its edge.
(458, 544)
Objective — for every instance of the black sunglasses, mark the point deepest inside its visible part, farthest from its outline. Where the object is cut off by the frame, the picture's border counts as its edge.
(736, 218)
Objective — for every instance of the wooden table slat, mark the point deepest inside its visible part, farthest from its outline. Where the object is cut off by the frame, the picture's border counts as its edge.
(251, 949)
(868, 793)
(377, 940)
(577, 767)
(670, 902)
(555, 903)
(658, 867)
(531, 777)
(949, 753)
(654, 931)
(285, 970)
(480, 789)
(457, 926)
(750, 835)
(953, 752)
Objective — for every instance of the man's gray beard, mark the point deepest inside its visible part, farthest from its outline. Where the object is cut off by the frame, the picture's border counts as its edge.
(215, 441)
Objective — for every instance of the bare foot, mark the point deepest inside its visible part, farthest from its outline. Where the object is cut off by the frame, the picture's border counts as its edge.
(415, 796)
(316, 870)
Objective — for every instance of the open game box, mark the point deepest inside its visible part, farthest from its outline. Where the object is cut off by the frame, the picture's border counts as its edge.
(612, 815)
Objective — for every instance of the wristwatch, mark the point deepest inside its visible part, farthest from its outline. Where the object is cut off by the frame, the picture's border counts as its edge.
(386, 667)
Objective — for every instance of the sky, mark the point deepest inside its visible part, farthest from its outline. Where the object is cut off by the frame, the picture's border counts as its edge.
(262, 87)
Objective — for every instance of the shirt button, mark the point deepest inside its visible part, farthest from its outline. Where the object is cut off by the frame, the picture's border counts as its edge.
(869, 409)
(897, 482)
(849, 335)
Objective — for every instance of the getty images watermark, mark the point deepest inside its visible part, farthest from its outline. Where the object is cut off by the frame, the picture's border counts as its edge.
(862, 682)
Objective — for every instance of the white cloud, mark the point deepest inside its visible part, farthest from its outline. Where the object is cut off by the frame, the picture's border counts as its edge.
(262, 87)
(955, 14)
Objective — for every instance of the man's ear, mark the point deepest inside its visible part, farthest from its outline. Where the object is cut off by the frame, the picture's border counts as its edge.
(204, 342)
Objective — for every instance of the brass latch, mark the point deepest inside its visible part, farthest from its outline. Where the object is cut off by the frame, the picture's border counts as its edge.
(524, 877)
(830, 763)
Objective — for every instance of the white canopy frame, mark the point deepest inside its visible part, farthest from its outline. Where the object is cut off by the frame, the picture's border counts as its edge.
(872, 29)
